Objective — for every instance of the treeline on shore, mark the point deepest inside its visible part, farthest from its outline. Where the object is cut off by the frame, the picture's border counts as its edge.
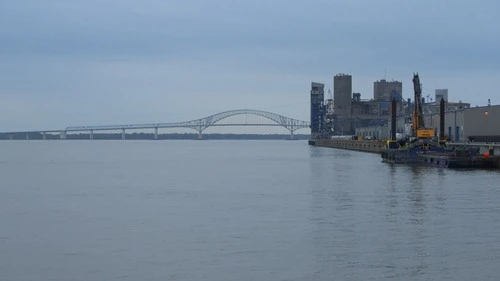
(150, 136)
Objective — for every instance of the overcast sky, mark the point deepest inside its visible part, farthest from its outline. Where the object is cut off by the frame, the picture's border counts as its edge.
(97, 62)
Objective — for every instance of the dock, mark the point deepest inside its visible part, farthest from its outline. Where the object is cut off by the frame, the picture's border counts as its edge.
(372, 146)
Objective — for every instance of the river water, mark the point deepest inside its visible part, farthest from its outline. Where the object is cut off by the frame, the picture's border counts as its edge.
(239, 210)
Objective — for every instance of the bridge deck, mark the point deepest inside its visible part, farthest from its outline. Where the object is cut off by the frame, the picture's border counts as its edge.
(198, 124)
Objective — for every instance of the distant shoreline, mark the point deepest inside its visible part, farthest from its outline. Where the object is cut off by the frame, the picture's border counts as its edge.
(150, 136)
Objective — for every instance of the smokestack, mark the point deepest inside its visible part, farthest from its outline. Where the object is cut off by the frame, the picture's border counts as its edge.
(441, 120)
(393, 119)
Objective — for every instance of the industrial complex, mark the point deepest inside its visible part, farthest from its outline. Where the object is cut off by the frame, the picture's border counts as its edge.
(347, 122)
(347, 114)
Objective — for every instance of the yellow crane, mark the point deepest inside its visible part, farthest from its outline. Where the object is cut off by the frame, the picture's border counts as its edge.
(419, 129)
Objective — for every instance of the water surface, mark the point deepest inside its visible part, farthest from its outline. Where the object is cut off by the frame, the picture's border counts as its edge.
(239, 210)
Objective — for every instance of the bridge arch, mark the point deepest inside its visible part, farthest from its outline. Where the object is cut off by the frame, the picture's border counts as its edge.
(200, 124)
(203, 123)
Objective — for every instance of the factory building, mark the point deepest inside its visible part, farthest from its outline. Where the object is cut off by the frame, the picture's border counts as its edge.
(471, 124)
(347, 111)
(342, 104)
(487, 117)
(329, 118)
(384, 91)
(349, 114)
(479, 124)
(342, 94)
(317, 109)
(387, 90)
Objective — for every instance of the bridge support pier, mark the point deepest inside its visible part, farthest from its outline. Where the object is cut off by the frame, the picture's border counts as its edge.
(197, 125)
(11, 137)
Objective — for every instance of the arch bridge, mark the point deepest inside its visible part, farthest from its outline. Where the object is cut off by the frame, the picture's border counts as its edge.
(200, 124)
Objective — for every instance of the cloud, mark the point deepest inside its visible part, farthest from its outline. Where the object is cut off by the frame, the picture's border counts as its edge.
(128, 61)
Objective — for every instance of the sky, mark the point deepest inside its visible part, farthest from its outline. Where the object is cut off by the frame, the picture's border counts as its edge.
(101, 62)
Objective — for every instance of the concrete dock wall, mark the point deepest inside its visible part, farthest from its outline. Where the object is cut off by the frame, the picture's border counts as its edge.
(376, 146)
(373, 146)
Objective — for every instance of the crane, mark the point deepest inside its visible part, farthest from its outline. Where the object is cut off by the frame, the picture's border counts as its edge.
(419, 129)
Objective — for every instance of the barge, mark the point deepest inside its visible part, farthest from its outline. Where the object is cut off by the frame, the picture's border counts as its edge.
(441, 157)
(423, 148)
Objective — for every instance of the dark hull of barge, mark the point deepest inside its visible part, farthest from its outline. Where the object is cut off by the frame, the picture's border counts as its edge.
(441, 157)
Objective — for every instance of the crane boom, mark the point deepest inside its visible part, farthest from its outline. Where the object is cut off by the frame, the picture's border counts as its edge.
(419, 129)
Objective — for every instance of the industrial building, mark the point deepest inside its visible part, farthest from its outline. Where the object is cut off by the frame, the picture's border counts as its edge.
(387, 90)
(329, 118)
(471, 124)
(465, 124)
(384, 92)
(342, 101)
(349, 114)
(481, 124)
(317, 109)
(347, 111)
(342, 94)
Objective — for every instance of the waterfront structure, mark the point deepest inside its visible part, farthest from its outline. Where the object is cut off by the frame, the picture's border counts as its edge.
(198, 124)
(329, 117)
(317, 109)
(425, 149)
(342, 100)
(470, 123)
(378, 132)
(481, 123)
(350, 111)
(349, 114)
(462, 124)
(342, 94)
(454, 118)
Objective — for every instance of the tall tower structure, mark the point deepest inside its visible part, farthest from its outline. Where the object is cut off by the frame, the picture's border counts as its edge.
(317, 109)
(342, 94)
(342, 104)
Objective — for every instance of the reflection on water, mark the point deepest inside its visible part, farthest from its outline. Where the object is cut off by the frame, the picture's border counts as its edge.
(389, 221)
(239, 210)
